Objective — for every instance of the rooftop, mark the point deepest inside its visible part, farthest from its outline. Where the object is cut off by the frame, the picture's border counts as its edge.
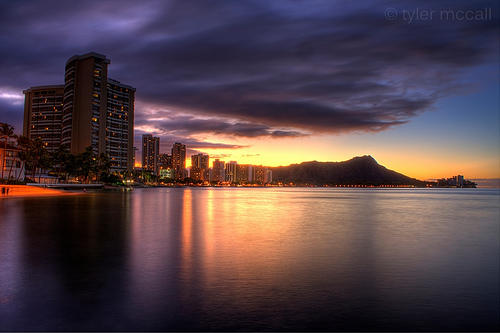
(53, 86)
(88, 55)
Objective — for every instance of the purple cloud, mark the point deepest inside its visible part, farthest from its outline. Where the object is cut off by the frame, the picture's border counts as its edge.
(253, 68)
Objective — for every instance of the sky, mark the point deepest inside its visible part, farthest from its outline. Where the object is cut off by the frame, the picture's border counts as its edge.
(413, 84)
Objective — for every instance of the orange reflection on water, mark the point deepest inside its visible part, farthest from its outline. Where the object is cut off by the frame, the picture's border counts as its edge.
(186, 235)
(28, 191)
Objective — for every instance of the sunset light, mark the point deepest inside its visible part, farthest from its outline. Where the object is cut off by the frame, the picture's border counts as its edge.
(249, 166)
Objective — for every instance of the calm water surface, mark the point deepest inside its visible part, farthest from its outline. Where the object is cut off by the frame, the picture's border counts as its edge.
(252, 259)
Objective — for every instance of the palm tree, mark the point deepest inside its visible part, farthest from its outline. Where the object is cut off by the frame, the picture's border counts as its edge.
(60, 160)
(44, 162)
(87, 162)
(40, 156)
(12, 164)
(25, 155)
(6, 132)
(102, 166)
(71, 166)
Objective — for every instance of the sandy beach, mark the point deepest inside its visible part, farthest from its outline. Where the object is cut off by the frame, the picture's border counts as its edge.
(17, 191)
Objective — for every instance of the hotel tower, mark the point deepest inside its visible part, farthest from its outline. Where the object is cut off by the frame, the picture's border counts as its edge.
(150, 153)
(179, 160)
(43, 115)
(90, 109)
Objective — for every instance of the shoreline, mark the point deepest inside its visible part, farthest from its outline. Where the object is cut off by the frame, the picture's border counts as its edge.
(23, 191)
(26, 191)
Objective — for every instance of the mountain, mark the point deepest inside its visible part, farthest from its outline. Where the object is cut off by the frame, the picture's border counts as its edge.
(363, 170)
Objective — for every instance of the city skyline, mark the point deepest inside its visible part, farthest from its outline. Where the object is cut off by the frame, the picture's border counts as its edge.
(350, 83)
(173, 166)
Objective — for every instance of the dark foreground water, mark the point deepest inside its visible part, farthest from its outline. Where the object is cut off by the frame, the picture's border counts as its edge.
(252, 259)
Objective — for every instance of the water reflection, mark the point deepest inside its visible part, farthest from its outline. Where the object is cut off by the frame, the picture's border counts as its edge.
(251, 259)
(63, 269)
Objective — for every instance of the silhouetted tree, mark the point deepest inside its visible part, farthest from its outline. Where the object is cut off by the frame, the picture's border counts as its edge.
(6, 132)
(87, 162)
(39, 157)
(25, 155)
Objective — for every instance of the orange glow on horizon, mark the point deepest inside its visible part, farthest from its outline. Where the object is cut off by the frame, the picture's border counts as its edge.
(416, 161)
(412, 165)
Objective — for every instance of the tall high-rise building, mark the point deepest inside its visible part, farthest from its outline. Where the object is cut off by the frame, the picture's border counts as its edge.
(119, 140)
(165, 161)
(179, 160)
(259, 174)
(243, 173)
(165, 169)
(150, 153)
(269, 176)
(218, 174)
(231, 171)
(199, 167)
(43, 108)
(84, 110)
(89, 110)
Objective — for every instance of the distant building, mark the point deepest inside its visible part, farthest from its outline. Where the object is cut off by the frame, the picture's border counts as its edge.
(43, 108)
(199, 167)
(231, 172)
(218, 172)
(165, 161)
(11, 166)
(150, 152)
(243, 173)
(269, 176)
(165, 169)
(455, 181)
(134, 151)
(166, 173)
(179, 161)
(259, 174)
(90, 109)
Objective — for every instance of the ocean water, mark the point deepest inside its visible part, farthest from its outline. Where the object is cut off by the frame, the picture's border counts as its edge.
(252, 259)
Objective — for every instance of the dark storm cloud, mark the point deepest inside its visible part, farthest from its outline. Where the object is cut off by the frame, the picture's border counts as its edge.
(267, 68)
(10, 113)
(187, 125)
(167, 140)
